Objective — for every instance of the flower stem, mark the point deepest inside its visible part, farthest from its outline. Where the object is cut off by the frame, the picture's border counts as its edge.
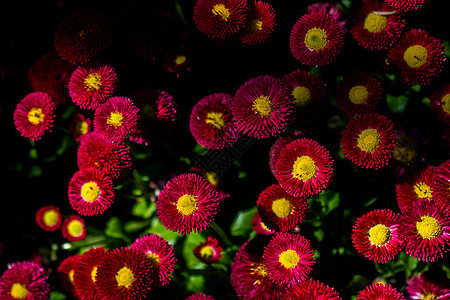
(221, 233)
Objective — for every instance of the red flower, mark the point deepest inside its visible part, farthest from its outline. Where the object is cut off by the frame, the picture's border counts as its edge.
(199, 296)
(407, 5)
(78, 126)
(261, 22)
(316, 39)
(66, 271)
(333, 10)
(73, 228)
(311, 289)
(259, 227)
(34, 115)
(278, 145)
(440, 103)
(209, 251)
(380, 291)
(49, 218)
(441, 185)
(426, 287)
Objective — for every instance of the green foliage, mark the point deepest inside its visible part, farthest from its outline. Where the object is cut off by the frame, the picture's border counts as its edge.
(242, 223)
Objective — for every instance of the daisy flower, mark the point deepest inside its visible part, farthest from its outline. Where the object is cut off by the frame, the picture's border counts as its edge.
(187, 203)
(418, 57)
(380, 291)
(410, 147)
(424, 287)
(406, 5)
(358, 92)
(91, 85)
(259, 227)
(440, 103)
(304, 168)
(34, 115)
(49, 218)
(333, 10)
(262, 107)
(311, 289)
(78, 126)
(211, 122)
(369, 140)
(209, 251)
(91, 191)
(441, 185)
(316, 39)
(160, 254)
(279, 210)
(199, 296)
(425, 232)
(24, 280)
(73, 228)
(261, 22)
(65, 273)
(375, 235)
(279, 144)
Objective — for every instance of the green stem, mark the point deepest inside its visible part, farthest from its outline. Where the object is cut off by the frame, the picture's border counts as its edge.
(221, 233)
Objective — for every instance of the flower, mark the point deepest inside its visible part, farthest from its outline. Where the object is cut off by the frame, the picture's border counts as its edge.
(358, 92)
(261, 22)
(82, 36)
(85, 274)
(262, 107)
(34, 115)
(211, 122)
(116, 119)
(65, 273)
(333, 10)
(50, 74)
(124, 274)
(415, 186)
(288, 258)
(220, 19)
(380, 291)
(199, 296)
(310, 93)
(249, 275)
(311, 289)
(375, 235)
(375, 26)
(187, 203)
(160, 254)
(49, 218)
(24, 280)
(73, 228)
(424, 286)
(279, 144)
(411, 145)
(418, 56)
(157, 120)
(407, 5)
(259, 227)
(441, 185)
(316, 39)
(304, 168)
(440, 103)
(369, 140)
(209, 251)
(425, 231)
(213, 179)
(91, 191)
(78, 126)
(91, 85)
(279, 210)
(114, 159)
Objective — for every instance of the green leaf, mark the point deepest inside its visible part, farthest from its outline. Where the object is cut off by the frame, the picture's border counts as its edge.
(192, 241)
(33, 153)
(68, 112)
(416, 88)
(195, 282)
(397, 104)
(447, 48)
(368, 203)
(319, 234)
(199, 150)
(143, 209)
(133, 225)
(55, 295)
(158, 228)
(114, 229)
(426, 101)
(242, 223)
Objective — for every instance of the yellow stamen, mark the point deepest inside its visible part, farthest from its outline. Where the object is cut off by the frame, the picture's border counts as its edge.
(187, 204)
(416, 56)
(375, 23)
(304, 168)
(429, 296)
(207, 252)
(90, 191)
(379, 235)
(36, 116)
(153, 258)
(258, 269)
(180, 59)
(94, 274)
(19, 291)
(445, 102)
(115, 119)
(125, 277)
(93, 81)
(255, 25)
(262, 106)
(429, 227)
(82, 127)
(358, 94)
(70, 275)
(316, 39)
(264, 226)
(302, 95)
(212, 178)
(406, 149)
(282, 208)
(215, 119)
(369, 140)
(289, 259)
(75, 228)
(423, 190)
(221, 11)
(50, 217)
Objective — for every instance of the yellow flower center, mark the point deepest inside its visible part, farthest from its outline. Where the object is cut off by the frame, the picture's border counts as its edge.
(302, 95)
(124, 277)
(93, 82)
(423, 190)
(316, 39)
(212, 178)
(304, 168)
(215, 119)
(180, 59)
(358, 94)
(281, 208)
(258, 269)
(445, 101)
(187, 204)
(19, 291)
(429, 227)
(36, 116)
(375, 23)
(70, 275)
(221, 11)
(264, 226)
(94, 274)
(405, 150)
(153, 258)
(50, 217)
(369, 140)
(207, 252)
(115, 119)
(82, 127)
(262, 106)
(90, 191)
(148, 111)
(255, 25)
(75, 228)
(379, 235)
(415, 56)
(429, 296)
(289, 259)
